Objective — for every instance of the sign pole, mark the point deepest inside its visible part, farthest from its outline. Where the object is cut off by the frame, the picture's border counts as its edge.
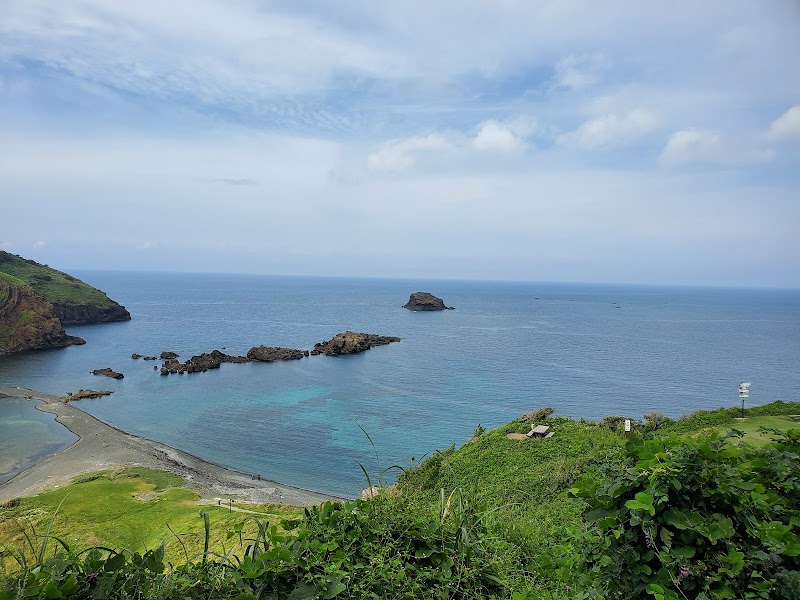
(744, 392)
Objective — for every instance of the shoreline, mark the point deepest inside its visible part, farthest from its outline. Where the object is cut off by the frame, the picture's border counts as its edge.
(101, 446)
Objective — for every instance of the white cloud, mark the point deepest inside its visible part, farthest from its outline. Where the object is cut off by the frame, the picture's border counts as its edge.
(613, 129)
(579, 71)
(786, 127)
(494, 136)
(147, 245)
(693, 146)
(5, 245)
(399, 155)
(39, 244)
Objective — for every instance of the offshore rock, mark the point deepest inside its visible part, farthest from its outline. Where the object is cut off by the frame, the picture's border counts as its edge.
(351, 343)
(29, 322)
(425, 301)
(270, 354)
(107, 372)
(168, 355)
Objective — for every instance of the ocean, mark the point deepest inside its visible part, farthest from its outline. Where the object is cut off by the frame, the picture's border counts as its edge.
(588, 350)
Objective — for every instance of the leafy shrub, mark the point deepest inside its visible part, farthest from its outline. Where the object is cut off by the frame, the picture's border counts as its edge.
(653, 421)
(697, 518)
(617, 423)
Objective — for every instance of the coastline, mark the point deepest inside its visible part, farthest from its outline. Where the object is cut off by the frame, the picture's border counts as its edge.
(101, 447)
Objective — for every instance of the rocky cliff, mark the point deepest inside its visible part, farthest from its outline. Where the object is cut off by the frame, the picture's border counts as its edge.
(29, 322)
(75, 301)
(75, 314)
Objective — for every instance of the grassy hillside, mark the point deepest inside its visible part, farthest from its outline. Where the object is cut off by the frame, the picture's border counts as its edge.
(129, 509)
(52, 284)
(580, 514)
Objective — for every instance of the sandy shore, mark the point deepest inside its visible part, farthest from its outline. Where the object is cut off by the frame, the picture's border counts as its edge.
(103, 447)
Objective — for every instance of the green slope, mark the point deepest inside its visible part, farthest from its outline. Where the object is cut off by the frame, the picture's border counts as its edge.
(52, 284)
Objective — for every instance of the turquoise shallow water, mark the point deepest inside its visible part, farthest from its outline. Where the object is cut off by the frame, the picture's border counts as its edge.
(499, 354)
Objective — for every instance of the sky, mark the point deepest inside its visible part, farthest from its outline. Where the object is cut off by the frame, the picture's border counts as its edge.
(535, 140)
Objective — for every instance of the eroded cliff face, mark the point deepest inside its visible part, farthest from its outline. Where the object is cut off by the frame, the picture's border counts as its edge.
(81, 314)
(29, 322)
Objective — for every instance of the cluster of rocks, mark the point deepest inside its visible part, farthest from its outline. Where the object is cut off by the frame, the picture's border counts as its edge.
(199, 363)
(342, 343)
(350, 342)
(107, 372)
(81, 394)
(425, 301)
(164, 356)
(212, 360)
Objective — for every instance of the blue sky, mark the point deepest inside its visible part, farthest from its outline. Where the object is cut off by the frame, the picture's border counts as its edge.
(532, 140)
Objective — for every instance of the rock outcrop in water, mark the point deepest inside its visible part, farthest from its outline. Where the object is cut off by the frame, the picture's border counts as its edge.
(270, 354)
(29, 322)
(200, 363)
(350, 342)
(108, 372)
(425, 301)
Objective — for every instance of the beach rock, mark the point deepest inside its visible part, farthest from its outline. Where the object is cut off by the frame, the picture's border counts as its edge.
(135, 356)
(425, 301)
(107, 372)
(168, 355)
(29, 322)
(351, 343)
(81, 394)
(270, 354)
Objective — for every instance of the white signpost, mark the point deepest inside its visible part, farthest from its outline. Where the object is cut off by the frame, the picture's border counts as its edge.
(744, 393)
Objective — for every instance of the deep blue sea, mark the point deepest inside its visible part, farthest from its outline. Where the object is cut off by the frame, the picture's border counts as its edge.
(587, 350)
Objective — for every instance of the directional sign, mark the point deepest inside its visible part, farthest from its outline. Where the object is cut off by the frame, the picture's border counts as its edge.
(744, 395)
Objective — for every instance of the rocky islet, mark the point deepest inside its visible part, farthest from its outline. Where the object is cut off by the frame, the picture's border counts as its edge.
(424, 301)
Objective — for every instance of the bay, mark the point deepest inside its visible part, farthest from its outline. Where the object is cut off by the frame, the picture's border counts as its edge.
(588, 350)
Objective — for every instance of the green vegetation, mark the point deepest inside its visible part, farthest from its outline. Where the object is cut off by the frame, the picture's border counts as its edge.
(52, 284)
(697, 518)
(677, 509)
(25, 316)
(10, 279)
(130, 508)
